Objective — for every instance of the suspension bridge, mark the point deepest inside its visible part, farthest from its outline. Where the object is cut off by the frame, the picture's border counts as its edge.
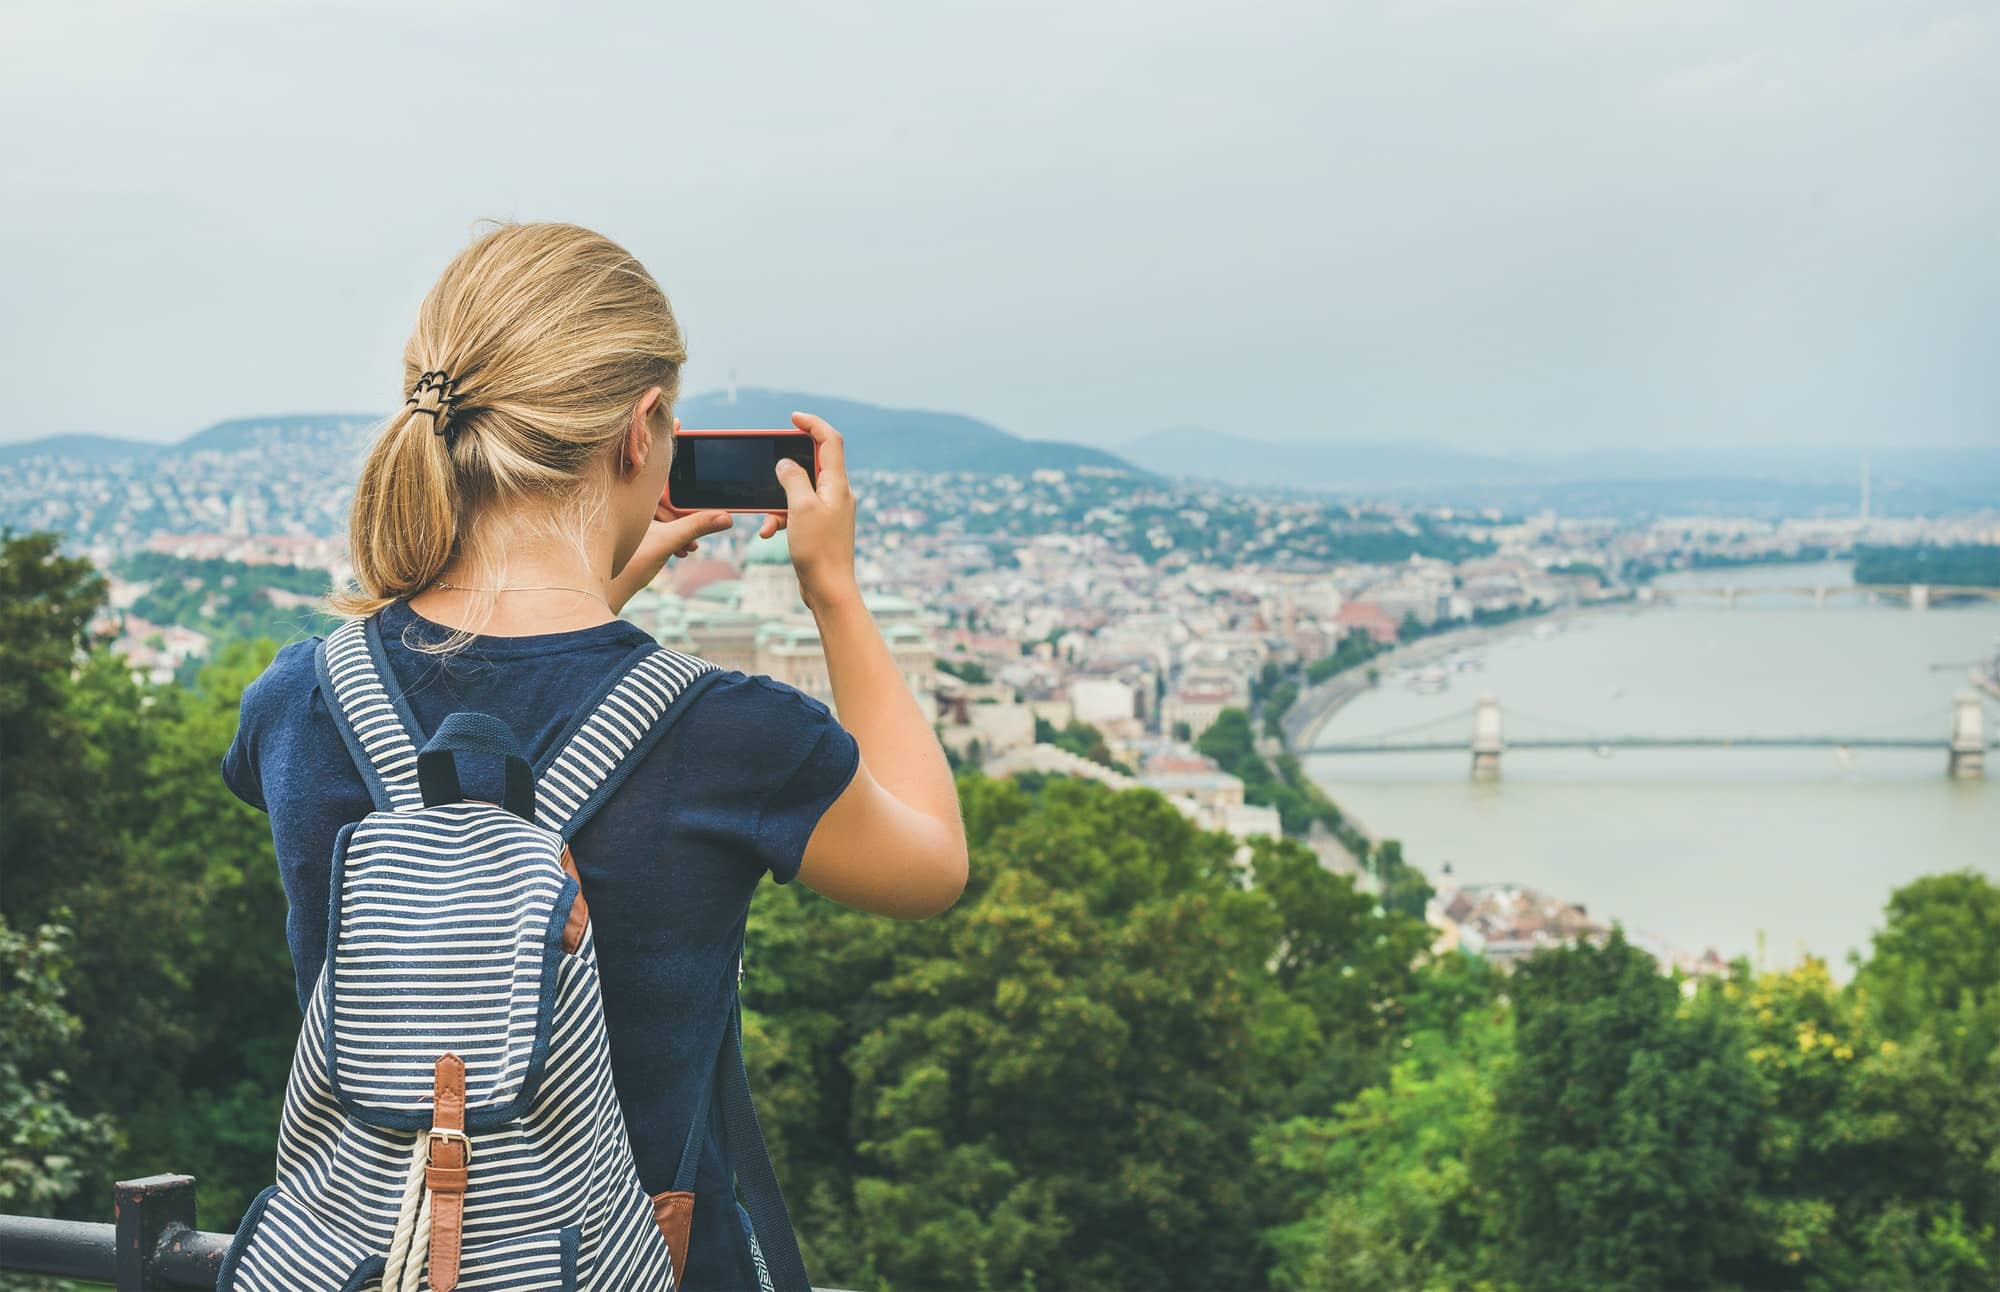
(1964, 741)
(1919, 596)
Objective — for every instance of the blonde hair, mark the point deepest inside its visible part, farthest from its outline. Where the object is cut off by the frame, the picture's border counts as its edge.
(528, 356)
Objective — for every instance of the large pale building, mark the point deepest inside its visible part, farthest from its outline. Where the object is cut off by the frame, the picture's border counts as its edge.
(757, 623)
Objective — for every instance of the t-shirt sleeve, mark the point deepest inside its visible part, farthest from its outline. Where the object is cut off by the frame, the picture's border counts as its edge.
(239, 762)
(817, 761)
(264, 702)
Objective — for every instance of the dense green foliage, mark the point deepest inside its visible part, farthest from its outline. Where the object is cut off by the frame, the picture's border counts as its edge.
(228, 601)
(1593, 1127)
(1060, 1081)
(44, 1144)
(1354, 649)
(1963, 565)
(1133, 1056)
(1081, 739)
(118, 828)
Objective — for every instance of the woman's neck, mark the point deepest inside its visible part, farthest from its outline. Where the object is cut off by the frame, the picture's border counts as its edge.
(527, 597)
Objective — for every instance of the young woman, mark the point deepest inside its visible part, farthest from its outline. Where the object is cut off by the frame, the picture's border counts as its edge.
(502, 519)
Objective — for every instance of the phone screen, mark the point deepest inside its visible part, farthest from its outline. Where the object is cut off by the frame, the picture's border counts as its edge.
(735, 472)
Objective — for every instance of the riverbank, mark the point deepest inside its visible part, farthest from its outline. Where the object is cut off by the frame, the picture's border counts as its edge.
(1316, 704)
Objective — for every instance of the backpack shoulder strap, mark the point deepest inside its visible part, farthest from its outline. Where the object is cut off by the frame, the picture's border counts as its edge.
(373, 717)
(774, 1245)
(611, 733)
(591, 758)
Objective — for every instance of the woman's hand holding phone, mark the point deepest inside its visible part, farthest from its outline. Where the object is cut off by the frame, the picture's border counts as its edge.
(819, 518)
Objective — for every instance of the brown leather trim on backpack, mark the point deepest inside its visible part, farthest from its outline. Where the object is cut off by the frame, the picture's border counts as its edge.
(579, 914)
(674, 1214)
(445, 1164)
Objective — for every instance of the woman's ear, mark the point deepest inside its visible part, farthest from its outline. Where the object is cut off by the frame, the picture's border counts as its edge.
(638, 445)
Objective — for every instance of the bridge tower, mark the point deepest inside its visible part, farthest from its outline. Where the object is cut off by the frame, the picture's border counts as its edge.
(1920, 596)
(1967, 761)
(1486, 742)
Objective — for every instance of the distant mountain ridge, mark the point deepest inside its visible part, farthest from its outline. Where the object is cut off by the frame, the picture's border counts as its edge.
(878, 438)
(898, 439)
(230, 436)
(1906, 481)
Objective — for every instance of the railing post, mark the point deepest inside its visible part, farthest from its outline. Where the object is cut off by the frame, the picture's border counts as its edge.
(150, 1216)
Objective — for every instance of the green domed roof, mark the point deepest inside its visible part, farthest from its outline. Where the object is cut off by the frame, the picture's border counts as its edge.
(770, 551)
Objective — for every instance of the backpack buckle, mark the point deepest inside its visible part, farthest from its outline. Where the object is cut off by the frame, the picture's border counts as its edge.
(430, 1148)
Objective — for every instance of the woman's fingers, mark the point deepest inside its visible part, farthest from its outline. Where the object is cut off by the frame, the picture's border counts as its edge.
(679, 532)
(798, 485)
(832, 449)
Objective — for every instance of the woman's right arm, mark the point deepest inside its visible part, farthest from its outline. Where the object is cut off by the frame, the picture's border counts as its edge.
(893, 842)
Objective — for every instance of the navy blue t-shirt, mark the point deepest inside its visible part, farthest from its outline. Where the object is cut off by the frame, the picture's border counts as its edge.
(730, 792)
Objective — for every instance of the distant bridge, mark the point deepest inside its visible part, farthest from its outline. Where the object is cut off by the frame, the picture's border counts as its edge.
(1918, 595)
(1640, 742)
(1965, 742)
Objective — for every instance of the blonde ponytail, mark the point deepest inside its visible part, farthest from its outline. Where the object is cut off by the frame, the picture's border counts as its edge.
(521, 375)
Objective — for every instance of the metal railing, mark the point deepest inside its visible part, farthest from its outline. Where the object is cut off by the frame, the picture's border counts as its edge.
(151, 1243)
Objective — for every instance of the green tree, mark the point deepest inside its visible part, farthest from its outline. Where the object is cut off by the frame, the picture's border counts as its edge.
(1880, 1154)
(1059, 1081)
(1625, 1125)
(1345, 966)
(1391, 1198)
(1403, 887)
(48, 771)
(1938, 958)
(44, 1144)
(1876, 1159)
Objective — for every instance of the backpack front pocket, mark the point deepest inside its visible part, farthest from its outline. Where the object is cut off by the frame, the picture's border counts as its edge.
(537, 1262)
(282, 1246)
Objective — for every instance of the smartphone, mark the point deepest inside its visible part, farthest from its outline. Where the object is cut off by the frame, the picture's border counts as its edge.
(736, 470)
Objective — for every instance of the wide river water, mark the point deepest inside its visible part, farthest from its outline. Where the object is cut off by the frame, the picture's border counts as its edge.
(1702, 847)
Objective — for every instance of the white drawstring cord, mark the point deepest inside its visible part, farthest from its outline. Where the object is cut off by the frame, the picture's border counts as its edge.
(413, 1227)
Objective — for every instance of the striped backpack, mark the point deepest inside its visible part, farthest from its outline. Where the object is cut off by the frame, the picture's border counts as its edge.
(450, 1121)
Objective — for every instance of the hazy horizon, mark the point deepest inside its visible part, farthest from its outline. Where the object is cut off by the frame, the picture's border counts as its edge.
(1761, 453)
(1560, 227)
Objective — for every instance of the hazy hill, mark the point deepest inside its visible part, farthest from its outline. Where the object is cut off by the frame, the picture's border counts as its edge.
(240, 433)
(897, 439)
(881, 439)
(1331, 465)
(311, 429)
(1773, 481)
(79, 447)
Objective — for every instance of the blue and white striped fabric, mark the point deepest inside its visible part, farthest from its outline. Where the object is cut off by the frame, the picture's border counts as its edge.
(446, 936)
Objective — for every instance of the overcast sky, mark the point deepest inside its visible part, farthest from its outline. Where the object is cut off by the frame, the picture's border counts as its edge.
(1541, 225)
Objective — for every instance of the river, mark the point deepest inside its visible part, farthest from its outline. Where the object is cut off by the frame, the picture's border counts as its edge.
(1771, 853)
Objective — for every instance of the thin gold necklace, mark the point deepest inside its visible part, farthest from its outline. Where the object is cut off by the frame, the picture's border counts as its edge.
(526, 587)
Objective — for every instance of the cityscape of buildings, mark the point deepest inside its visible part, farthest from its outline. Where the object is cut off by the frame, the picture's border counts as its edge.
(1017, 607)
